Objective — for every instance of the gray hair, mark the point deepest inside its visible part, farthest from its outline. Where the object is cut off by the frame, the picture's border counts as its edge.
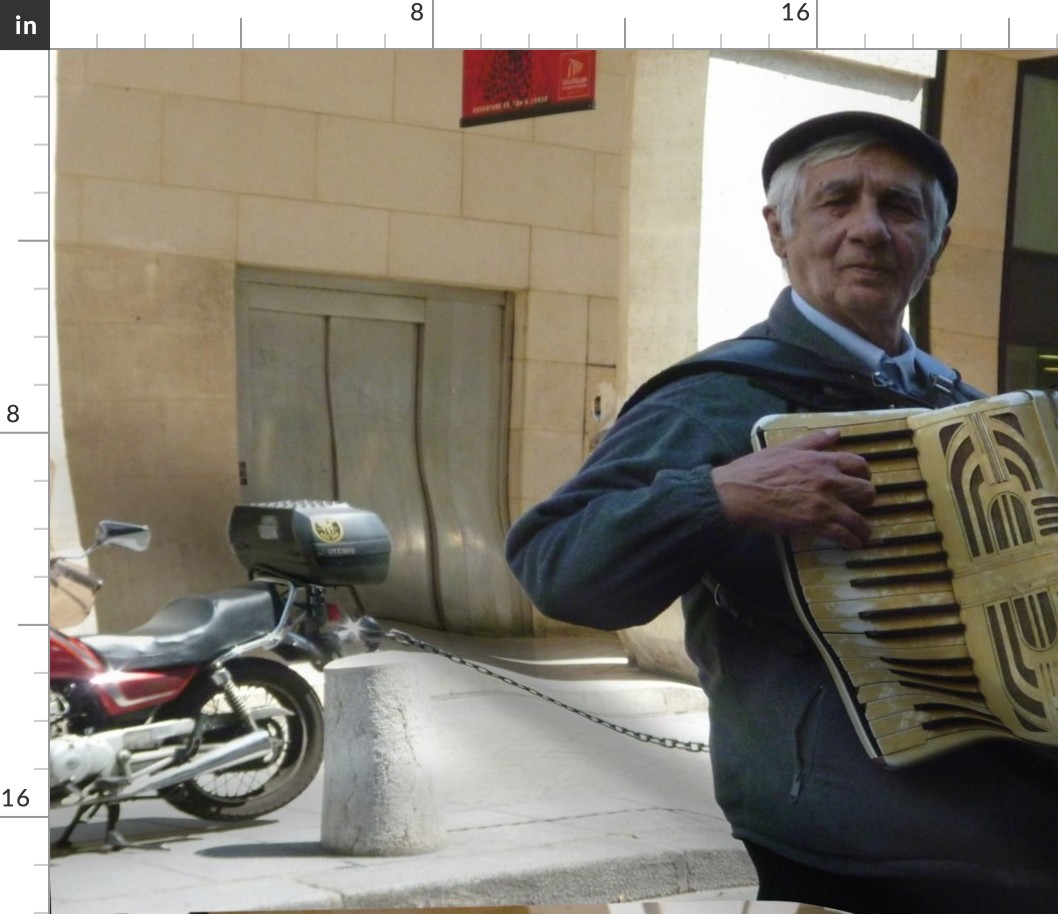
(788, 182)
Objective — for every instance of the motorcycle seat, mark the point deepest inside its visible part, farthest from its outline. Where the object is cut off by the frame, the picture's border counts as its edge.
(191, 630)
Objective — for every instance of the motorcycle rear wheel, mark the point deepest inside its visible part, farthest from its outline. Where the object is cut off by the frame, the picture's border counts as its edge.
(261, 786)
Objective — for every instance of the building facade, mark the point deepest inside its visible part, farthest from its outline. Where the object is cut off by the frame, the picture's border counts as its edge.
(287, 274)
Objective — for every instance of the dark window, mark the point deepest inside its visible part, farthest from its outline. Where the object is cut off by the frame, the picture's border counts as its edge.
(1028, 324)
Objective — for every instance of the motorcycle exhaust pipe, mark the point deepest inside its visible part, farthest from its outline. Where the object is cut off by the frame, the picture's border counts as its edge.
(242, 749)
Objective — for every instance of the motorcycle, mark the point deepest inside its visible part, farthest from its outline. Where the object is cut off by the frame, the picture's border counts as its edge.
(193, 705)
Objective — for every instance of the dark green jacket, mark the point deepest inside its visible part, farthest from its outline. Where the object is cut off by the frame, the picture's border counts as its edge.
(640, 525)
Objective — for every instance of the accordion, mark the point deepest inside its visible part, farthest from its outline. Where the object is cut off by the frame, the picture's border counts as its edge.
(943, 629)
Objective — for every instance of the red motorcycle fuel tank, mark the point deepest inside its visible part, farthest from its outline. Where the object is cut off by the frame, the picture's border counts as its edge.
(71, 659)
(119, 691)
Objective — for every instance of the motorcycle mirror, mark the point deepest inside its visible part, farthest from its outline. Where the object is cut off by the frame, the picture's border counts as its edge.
(136, 537)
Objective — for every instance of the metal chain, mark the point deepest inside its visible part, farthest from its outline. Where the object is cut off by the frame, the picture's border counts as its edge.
(664, 741)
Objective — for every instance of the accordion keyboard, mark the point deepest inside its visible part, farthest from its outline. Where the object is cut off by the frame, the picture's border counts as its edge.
(912, 625)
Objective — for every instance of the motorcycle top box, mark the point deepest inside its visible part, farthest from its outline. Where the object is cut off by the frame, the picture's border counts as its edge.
(316, 542)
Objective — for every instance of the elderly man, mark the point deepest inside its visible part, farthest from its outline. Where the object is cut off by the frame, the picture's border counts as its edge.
(674, 503)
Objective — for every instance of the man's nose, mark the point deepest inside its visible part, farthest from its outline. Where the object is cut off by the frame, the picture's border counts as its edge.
(868, 223)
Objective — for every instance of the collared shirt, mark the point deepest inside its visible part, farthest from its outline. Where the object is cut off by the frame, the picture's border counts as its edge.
(899, 369)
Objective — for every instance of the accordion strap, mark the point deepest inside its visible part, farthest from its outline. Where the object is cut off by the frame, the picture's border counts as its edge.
(796, 374)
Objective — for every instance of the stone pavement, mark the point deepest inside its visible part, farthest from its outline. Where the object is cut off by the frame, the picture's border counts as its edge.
(540, 806)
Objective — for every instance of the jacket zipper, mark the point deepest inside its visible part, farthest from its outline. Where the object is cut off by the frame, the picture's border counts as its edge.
(799, 748)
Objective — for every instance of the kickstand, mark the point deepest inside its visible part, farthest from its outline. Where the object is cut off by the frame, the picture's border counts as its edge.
(113, 838)
(64, 839)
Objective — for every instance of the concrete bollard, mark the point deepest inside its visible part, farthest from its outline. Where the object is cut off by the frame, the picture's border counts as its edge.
(379, 794)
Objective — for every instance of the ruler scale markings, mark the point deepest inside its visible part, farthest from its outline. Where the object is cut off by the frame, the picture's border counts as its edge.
(25, 239)
(108, 19)
(821, 21)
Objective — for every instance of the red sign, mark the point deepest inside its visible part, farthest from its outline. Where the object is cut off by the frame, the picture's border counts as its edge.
(506, 85)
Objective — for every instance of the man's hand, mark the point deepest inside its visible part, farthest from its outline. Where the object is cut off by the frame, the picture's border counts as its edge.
(800, 486)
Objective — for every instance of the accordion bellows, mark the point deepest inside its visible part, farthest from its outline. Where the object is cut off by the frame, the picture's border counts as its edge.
(943, 629)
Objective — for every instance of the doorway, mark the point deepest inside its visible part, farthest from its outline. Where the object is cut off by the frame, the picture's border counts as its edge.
(392, 398)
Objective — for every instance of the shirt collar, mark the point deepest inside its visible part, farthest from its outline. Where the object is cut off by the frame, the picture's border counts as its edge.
(866, 352)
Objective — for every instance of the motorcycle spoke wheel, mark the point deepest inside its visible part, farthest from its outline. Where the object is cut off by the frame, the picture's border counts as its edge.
(258, 786)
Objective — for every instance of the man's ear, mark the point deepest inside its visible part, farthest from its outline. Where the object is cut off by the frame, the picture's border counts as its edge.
(940, 250)
(778, 243)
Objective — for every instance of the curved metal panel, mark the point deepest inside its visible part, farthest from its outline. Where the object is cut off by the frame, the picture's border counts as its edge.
(461, 415)
(373, 390)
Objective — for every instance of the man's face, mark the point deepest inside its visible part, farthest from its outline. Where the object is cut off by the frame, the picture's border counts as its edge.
(860, 243)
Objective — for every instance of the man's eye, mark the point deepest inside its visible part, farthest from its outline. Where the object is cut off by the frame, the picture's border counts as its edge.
(904, 206)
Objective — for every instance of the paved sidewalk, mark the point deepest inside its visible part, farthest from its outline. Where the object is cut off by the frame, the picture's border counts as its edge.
(540, 807)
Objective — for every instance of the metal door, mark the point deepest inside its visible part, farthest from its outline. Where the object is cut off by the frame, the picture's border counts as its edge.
(392, 399)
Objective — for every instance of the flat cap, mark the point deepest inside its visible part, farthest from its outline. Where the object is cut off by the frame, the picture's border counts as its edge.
(914, 143)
